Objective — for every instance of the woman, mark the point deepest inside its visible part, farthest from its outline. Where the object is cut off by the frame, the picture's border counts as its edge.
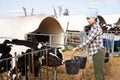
(94, 44)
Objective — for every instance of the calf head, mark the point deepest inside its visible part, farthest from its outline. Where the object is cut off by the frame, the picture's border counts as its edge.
(4, 49)
(5, 65)
(53, 57)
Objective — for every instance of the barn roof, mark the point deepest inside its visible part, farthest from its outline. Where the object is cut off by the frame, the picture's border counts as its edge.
(111, 19)
(76, 22)
(49, 26)
(17, 27)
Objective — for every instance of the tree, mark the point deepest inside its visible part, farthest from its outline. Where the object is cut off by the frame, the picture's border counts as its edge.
(32, 11)
(55, 13)
(66, 12)
(60, 10)
(25, 12)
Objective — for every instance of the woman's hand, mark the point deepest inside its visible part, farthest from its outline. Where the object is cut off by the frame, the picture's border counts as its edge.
(74, 50)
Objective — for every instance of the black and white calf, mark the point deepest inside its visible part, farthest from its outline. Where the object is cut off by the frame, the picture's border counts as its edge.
(23, 49)
(5, 64)
(5, 58)
(52, 56)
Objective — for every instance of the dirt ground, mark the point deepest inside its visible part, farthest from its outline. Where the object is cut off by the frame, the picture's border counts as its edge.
(111, 68)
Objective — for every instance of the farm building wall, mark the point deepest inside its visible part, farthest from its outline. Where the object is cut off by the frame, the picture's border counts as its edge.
(18, 27)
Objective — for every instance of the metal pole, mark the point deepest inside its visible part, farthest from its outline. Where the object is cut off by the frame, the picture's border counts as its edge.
(47, 64)
(33, 64)
(16, 69)
(25, 66)
(54, 73)
(50, 40)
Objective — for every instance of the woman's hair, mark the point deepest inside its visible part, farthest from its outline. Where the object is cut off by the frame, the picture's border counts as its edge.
(96, 19)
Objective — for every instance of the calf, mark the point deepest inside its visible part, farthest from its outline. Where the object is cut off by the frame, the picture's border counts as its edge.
(53, 56)
(23, 47)
(5, 59)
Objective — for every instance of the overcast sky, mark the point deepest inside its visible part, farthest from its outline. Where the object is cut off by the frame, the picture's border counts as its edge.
(9, 8)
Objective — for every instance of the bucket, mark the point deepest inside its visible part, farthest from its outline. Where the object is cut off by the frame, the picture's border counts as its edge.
(82, 60)
(43, 62)
(72, 66)
(119, 50)
(106, 57)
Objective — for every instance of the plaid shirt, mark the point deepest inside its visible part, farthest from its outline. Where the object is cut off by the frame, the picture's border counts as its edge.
(93, 40)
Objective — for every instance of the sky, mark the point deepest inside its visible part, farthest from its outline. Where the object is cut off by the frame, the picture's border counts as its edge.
(10, 8)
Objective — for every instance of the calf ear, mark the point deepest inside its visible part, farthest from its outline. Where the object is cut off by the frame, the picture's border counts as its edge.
(39, 45)
(60, 50)
(0, 54)
(28, 50)
(23, 53)
(6, 42)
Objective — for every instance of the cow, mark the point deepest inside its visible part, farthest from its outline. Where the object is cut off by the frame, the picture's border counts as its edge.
(25, 48)
(52, 56)
(5, 59)
(21, 47)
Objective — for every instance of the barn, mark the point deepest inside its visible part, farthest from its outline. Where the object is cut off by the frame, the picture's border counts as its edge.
(45, 28)
(32, 27)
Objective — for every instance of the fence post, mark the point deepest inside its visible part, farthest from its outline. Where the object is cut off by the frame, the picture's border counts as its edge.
(33, 64)
(16, 67)
(47, 63)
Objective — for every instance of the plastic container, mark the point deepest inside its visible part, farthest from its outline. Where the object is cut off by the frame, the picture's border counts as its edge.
(82, 61)
(72, 66)
(106, 57)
